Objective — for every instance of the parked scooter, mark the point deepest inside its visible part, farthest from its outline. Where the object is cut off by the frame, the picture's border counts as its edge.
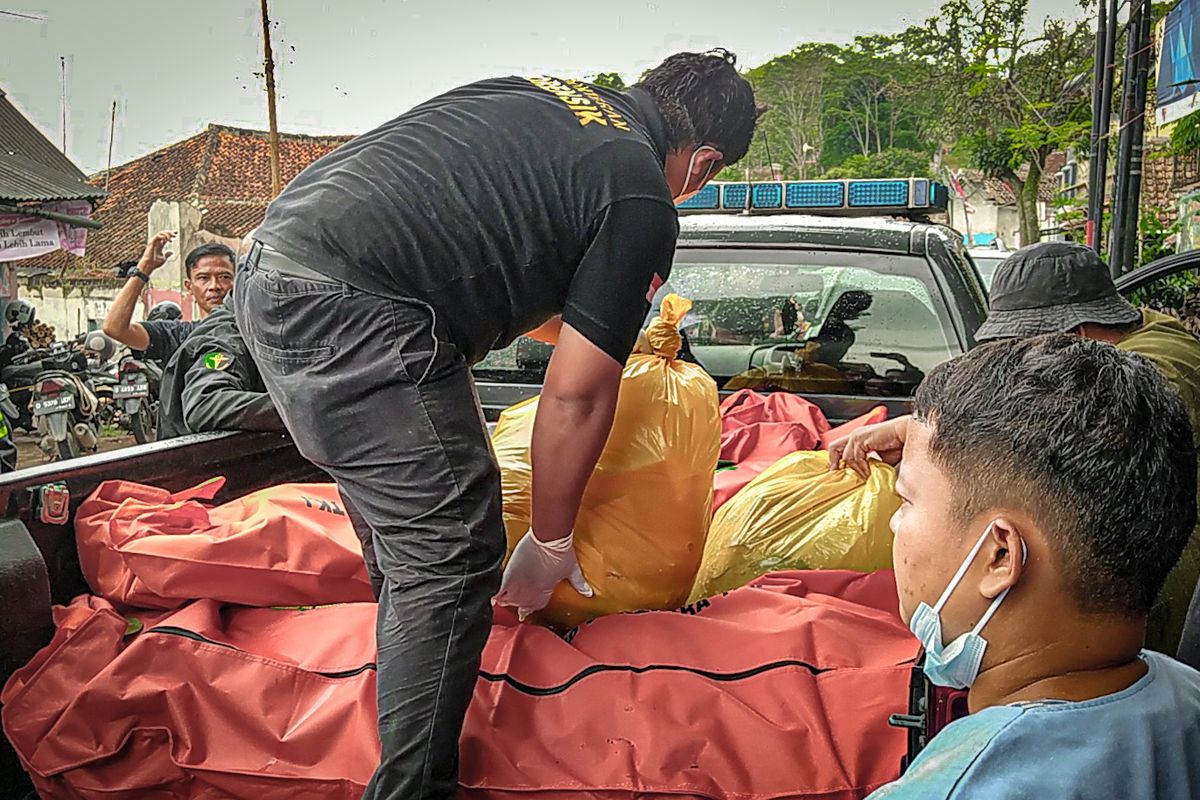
(18, 365)
(65, 405)
(99, 350)
(138, 382)
(136, 395)
(8, 413)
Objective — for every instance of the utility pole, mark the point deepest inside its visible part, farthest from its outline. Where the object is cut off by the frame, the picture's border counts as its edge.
(269, 69)
(1127, 183)
(1137, 133)
(1106, 45)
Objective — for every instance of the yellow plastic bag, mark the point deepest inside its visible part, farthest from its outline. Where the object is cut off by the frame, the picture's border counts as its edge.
(641, 527)
(799, 515)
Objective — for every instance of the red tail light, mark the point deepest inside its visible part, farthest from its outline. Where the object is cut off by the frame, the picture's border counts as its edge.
(132, 366)
(49, 388)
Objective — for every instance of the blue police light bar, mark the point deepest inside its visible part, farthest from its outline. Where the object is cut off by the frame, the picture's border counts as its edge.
(839, 198)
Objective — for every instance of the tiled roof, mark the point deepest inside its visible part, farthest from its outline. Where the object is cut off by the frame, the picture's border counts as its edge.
(999, 192)
(31, 168)
(233, 219)
(224, 171)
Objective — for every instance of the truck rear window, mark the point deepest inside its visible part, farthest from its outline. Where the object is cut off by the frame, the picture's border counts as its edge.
(818, 322)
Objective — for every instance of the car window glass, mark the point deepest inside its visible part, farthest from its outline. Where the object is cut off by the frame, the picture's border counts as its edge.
(818, 322)
(987, 267)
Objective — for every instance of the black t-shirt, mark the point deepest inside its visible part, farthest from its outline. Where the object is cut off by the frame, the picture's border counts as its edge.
(166, 335)
(500, 204)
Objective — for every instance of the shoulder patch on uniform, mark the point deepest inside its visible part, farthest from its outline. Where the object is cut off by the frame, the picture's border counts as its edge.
(217, 360)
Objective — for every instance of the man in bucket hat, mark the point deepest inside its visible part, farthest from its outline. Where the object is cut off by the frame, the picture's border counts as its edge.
(1058, 287)
(1062, 287)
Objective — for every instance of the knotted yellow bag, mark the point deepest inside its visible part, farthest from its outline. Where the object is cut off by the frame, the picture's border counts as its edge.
(641, 527)
(799, 515)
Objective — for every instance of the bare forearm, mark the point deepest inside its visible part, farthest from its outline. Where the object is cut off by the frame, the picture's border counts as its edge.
(118, 322)
(568, 437)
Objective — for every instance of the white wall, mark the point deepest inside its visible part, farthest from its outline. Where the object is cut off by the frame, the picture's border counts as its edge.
(988, 217)
(69, 309)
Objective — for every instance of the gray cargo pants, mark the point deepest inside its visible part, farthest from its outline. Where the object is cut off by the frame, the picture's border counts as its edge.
(372, 391)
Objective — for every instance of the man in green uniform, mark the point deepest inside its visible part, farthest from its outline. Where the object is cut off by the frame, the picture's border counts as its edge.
(212, 384)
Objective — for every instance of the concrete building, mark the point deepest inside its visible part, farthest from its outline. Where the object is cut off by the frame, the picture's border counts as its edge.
(987, 215)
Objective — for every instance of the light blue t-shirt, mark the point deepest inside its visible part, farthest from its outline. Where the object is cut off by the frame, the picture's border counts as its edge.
(1143, 742)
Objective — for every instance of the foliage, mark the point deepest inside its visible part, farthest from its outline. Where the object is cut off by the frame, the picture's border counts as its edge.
(1155, 236)
(895, 162)
(1011, 96)
(828, 103)
(610, 80)
(1176, 294)
(1185, 136)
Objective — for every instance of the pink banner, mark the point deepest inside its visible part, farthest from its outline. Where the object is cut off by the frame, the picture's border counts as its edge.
(71, 238)
(24, 236)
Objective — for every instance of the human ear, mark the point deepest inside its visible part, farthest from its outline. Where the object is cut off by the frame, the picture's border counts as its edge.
(1004, 556)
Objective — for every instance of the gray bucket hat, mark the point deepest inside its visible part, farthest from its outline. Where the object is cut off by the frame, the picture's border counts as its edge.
(1053, 287)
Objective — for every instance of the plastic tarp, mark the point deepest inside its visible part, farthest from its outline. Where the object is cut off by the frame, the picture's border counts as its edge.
(290, 544)
(644, 515)
(780, 690)
(799, 515)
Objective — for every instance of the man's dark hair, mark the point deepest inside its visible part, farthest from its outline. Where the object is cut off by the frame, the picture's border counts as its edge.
(210, 249)
(1090, 441)
(704, 100)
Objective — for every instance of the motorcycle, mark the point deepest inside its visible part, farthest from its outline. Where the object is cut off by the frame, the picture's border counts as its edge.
(8, 413)
(102, 375)
(65, 404)
(136, 393)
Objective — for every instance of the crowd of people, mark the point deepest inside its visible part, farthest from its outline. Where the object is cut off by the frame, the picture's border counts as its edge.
(1047, 535)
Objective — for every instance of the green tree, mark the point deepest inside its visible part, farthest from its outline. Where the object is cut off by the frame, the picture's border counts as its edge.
(1012, 97)
(828, 102)
(794, 87)
(894, 162)
(874, 103)
(610, 80)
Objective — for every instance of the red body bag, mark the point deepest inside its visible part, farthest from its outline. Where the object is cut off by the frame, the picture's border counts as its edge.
(287, 545)
(778, 690)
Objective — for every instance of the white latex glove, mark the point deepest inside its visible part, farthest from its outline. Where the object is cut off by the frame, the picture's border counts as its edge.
(535, 568)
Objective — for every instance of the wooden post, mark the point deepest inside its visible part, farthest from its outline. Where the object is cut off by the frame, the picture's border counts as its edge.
(62, 64)
(269, 69)
(112, 130)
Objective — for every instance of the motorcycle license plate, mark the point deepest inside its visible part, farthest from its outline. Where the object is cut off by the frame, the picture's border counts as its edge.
(48, 405)
(126, 390)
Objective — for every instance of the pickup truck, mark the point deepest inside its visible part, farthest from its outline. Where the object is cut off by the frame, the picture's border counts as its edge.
(765, 285)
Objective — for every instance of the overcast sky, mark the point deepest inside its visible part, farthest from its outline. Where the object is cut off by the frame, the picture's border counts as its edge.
(173, 66)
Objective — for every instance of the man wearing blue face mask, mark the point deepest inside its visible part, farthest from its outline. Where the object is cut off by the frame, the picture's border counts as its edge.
(1048, 487)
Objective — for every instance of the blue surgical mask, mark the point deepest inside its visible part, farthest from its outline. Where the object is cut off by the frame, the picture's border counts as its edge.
(957, 664)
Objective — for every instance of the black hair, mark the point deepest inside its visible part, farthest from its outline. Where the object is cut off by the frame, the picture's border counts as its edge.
(210, 249)
(704, 100)
(1088, 440)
